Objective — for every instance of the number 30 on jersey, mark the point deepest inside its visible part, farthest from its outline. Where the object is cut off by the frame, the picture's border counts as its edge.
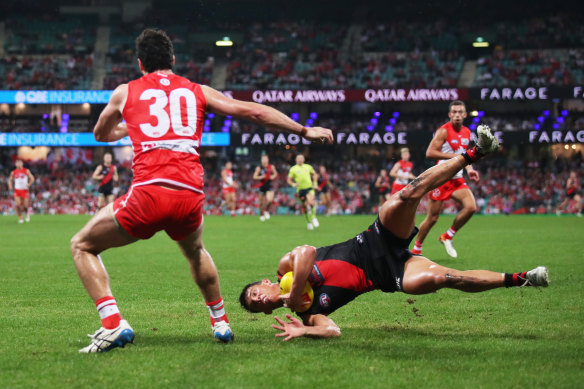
(157, 109)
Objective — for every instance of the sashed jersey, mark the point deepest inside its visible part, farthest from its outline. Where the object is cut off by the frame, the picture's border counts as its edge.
(404, 169)
(228, 180)
(374, 259)
(456, 143)
(572, 187)
(384, 184)
(302, 175)
(164, 115)
(267, 171)
(20, 178)
(107, 182)
(323, 181)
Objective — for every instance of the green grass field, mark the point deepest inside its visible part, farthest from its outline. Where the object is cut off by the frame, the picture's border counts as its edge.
(502, 338)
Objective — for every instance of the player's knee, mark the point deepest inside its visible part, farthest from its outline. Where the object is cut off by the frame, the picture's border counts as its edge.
(76, 244)
(471, 208)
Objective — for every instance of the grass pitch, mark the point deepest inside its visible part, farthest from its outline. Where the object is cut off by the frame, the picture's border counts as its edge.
(501, 338)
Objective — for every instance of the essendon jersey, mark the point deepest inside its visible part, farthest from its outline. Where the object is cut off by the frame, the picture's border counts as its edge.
(456, 143)
(20, 179)
(164, 115)
(404, 169)
(267, 173)
(107, 180)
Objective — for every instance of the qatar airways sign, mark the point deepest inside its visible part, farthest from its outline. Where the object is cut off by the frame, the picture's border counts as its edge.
(300, 96)
(341, 138)
(375, 95)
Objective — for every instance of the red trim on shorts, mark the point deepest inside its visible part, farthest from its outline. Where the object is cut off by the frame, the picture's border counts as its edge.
(444, 192)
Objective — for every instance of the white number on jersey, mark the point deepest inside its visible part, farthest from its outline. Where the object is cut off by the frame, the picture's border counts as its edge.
(164, 121)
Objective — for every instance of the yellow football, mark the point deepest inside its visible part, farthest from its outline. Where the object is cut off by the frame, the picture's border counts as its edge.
(307, 294)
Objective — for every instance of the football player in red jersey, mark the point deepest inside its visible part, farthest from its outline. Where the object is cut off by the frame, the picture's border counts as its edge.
(265, 173)
(228, 187)
(20, 180)
(377, 258)
(401, 171)
(449, 140)
(164, 115)
(107, 174)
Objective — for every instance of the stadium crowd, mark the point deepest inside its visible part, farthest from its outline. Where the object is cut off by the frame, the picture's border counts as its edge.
(516, 187)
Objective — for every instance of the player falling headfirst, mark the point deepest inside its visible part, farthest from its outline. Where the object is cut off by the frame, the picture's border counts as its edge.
(20, 180)
(401, 171)
(449, 140)
(303, 178)
(164, 115)
(377, 258)
(107, 174)
(265, 173)
(228, 187)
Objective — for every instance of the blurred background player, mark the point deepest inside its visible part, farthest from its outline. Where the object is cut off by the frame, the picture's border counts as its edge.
(164, 116)
(377, 258)
(229, 187)
(572, 195)
(382, 184)
(23, 179)
(449, 140)
(265, 173)
(323, 188)
(401, 171)
(107, 175)
(303, 178)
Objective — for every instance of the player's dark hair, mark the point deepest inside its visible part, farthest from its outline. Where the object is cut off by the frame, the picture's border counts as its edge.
(456, 102)
(154, 49)
(244, 293)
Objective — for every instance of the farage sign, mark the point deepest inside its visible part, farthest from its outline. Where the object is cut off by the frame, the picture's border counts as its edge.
(341, 138)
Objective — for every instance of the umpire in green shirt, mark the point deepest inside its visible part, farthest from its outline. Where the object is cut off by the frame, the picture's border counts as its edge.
(303, 177)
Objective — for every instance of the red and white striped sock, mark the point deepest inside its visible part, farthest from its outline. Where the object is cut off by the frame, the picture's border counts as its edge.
(108, 312)
(417, 247)
(217, 311)
(451, 231)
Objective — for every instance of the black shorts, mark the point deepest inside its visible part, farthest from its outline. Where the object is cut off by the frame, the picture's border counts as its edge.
(383, 256)
(324, 189)
(106, 191)
(302, 193)
(267, 187)
(383, 192)
(571, 195)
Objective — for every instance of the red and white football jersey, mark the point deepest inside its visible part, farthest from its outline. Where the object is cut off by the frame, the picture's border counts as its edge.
(164, 114)
(20, 179)
(456, 143)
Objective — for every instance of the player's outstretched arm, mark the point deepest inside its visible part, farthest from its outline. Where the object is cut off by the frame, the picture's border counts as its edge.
(434, 150)
(263, 115)
(109, 127)
(314, 326)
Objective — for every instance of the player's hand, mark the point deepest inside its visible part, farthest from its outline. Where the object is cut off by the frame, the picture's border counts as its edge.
(319, 135)
(292, 329)
(293, 303)
(473, 175)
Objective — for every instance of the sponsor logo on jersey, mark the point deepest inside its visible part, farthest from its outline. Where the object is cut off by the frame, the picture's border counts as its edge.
(324, 300)
(398, 283)
(164, 81)
(464, 141)
(360, 238)
(454, 141)
(315, 278)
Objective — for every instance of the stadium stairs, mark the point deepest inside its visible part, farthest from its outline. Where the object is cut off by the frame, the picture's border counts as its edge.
(101, 48)
(219, 77)
(467, 75)
(2, 38)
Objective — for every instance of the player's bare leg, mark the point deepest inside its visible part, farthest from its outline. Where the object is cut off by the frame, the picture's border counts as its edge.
(310, 206)
(25, 203)
(99, 234)
(268, 204)
(469, 207)
(262, 206)
(423, 276)
(206, 277)
(18, 208)
(101, 201)
(434, 209)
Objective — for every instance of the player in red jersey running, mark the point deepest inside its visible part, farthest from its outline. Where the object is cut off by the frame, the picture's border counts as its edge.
(265, 173)
(382, 184)
(23, 179)
(107, 174)
(228, 187)
(572, 194)
(401, 171)
(449, 140)
(324, 188)
(377, 258)
(164, 116)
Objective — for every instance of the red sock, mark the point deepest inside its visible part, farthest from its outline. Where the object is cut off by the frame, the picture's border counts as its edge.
(108, 312)
(515, 279)
(217, 311)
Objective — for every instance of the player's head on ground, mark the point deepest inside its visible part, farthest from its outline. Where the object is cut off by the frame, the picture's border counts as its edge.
(18, 163)
(154, 50)
(299, 159)
(261, 296)
(457, 112)
(405, 153)
(107, 158)
(265, 160)
(228, 165)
